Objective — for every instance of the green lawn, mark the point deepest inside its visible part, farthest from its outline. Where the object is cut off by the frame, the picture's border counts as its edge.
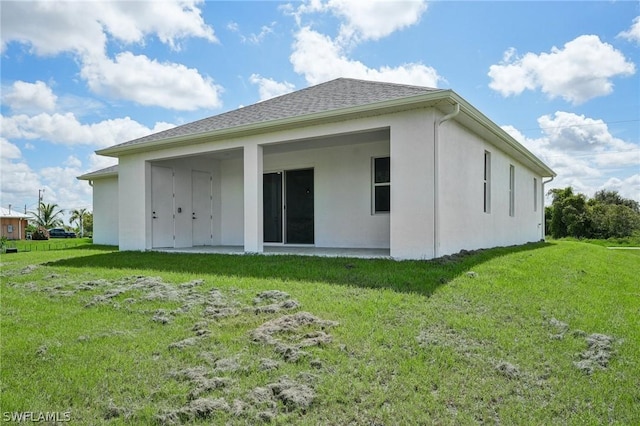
(539, 334)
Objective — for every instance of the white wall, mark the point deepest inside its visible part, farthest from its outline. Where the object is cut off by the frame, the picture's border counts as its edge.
(412, 202)
(232, 202)
(342, 189)
(182, 181)
(342, 180)
(463, 222)
(135, 191)
(342, 173)
(134, 203)
(105, 211)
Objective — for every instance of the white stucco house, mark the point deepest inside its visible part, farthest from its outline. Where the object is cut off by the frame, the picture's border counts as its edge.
(414, 171)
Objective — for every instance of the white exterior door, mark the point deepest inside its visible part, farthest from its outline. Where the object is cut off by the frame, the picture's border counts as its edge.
(202, 208)
(163, 227)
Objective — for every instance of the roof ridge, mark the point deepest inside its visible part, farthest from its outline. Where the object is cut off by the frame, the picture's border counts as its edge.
(388, 83)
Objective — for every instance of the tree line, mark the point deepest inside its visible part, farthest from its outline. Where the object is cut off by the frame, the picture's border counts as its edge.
(50, 216)
(606, 215)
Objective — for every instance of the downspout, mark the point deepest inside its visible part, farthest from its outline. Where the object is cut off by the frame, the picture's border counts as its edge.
(543, 236)
(436, 186)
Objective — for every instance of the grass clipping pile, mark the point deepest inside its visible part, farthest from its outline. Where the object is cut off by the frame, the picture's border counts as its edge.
(212, 383)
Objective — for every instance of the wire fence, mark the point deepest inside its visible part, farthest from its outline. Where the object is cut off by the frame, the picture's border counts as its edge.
(47, 245)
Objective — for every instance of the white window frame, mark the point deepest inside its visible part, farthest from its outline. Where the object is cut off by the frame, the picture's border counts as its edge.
(535, 194)
(512, 190)
(375, 184)
(487, 182)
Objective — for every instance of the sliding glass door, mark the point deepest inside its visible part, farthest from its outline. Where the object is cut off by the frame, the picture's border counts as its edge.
(288, 207)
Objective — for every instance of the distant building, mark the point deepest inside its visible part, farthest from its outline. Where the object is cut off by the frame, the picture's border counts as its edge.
(14, 224)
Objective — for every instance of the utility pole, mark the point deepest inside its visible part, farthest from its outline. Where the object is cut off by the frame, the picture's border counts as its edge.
(40, 197)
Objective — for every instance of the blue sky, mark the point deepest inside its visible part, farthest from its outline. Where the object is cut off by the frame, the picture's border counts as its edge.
(561, 77)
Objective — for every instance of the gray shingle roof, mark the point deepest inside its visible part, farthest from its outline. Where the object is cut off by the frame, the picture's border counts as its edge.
(107, 171)
(332, 95)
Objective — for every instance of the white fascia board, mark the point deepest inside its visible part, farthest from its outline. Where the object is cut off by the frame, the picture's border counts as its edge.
(512, 145)
(385, 107)
(98, 175)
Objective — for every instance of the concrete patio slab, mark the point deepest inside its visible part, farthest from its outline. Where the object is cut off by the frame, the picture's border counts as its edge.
(362, 253)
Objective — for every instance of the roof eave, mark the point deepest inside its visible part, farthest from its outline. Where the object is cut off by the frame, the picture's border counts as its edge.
(474, 114)
(398, 104)
(97, 175)
(393, 105)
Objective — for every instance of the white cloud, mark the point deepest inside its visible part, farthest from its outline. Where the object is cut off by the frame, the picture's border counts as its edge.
(20, 184)
(8, 150)
(73, 161)
(22, 96)
(569, 131)
(64, 189)
(83, 27)
(319, 58)
(269, 88)
(633, 33)
(363, 19)
(65, 129)
(375, 19)
(98, 162)
(252, 38)
(580, 71)
(628, 187)
(53, 27)
(17, 180)
(169, 20)
(584, 154)
(149, 82)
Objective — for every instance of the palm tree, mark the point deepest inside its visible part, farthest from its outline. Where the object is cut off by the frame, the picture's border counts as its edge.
(79, 216)
(48, 216)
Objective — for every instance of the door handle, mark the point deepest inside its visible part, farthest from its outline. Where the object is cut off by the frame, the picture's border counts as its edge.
(193, 215)
(154, 215)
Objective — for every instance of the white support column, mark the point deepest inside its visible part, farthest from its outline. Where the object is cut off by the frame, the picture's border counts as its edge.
(134, 203)
(412, 191)
(253, 204)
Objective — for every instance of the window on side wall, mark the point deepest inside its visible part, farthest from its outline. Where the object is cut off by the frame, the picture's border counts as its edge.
(487, 182)
(381, 185)
(512, 190)
(535, 194)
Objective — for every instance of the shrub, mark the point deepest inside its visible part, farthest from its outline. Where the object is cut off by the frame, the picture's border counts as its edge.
(607, 215)
(40, 234)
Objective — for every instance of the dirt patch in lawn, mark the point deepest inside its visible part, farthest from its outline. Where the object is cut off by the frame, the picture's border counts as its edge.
(441, 335)
(599, 347)
(214, 386)
(272, 301)
(289, 334)
(597, 354)
(201, 408)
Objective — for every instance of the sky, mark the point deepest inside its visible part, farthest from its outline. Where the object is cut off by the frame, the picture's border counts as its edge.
(561, 77)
